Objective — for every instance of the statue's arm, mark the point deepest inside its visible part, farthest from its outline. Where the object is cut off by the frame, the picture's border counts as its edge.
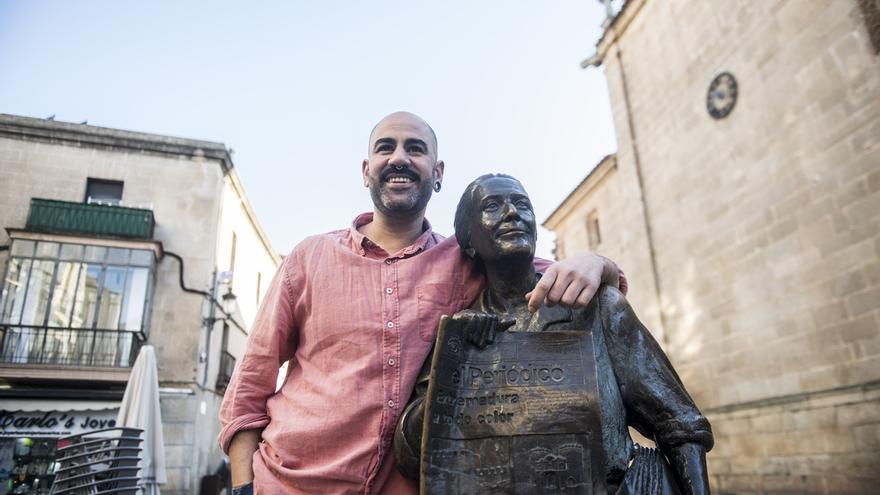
(688, 461)
(656, 401)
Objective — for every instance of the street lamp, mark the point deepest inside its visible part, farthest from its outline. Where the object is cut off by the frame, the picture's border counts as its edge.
(228, 305)
(230, 302)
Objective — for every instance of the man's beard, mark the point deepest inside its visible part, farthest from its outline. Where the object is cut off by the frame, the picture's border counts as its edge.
(414, 202)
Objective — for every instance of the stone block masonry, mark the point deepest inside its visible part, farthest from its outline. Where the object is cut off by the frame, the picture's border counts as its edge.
(764, 227)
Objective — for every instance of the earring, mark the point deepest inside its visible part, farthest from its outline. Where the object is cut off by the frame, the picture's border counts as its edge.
(437, 186)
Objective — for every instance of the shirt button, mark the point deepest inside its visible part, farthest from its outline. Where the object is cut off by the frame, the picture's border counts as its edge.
(390, 324)
(388, 262)
(390, 361)
(389, 290)
(390, 403)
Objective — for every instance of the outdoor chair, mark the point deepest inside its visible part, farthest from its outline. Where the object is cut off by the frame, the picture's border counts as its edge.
(98, 462)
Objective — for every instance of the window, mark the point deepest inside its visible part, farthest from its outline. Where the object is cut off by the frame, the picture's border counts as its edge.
(108, 192)
(74, 304)
(594, 235)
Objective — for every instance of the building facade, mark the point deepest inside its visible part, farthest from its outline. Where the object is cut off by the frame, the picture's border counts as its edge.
(113, 240)
(746, 210)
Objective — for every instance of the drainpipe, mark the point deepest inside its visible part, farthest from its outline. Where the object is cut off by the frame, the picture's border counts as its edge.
(648, 230)
(595, 61)
(211, 321)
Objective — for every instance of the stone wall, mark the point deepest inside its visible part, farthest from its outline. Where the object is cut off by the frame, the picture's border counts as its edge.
(824, 442)
(764, 226)
(178, 417)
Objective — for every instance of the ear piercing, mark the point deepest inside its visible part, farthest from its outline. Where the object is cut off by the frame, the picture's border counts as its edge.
(437, 186)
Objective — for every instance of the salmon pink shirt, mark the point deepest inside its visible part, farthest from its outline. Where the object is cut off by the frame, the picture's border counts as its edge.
(355, 324)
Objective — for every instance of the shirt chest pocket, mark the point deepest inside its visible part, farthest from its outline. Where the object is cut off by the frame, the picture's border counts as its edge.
(434, 301)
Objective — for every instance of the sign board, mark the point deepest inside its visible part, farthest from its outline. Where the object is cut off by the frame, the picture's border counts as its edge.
(520, 416)
(54, 423)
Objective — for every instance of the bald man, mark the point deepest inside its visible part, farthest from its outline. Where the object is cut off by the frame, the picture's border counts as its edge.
(354, 312)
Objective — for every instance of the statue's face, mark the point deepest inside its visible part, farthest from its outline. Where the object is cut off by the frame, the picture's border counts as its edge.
(504, 223)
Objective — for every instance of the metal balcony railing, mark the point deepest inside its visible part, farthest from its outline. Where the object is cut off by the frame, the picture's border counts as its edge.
(65, 217)
(227, 366)
(68, 346)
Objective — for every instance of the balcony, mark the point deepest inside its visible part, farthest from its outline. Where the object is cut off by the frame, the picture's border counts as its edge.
(227, 366)
(65, 217)
(28, 345)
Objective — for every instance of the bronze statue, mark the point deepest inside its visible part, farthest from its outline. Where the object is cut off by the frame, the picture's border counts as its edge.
(499, 430)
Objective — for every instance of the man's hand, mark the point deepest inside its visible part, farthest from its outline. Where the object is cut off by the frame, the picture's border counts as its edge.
(480, 328)
(573, 281)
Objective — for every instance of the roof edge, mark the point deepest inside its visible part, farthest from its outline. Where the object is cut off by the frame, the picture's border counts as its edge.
(614, 29)
(252, 216)
(53, 131)
(606, 164)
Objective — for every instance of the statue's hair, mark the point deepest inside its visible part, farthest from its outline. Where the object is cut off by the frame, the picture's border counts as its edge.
(464, 213)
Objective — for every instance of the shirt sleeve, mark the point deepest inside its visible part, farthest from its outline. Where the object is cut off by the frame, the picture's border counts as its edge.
(657, 404)
(271, 342)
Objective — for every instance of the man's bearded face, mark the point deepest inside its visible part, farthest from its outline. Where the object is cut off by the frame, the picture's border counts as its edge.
(402, 165)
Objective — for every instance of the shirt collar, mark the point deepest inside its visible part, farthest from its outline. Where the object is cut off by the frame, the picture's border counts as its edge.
(362, 244)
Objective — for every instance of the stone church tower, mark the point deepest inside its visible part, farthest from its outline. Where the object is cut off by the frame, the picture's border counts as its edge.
(744, 204)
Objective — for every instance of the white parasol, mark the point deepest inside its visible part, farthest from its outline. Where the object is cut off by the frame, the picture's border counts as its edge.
(140, 409)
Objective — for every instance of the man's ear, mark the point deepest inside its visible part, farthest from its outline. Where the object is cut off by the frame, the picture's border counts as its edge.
(438, 170)
(365, 172)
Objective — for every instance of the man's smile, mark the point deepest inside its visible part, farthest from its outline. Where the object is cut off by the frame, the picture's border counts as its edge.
(398, 179)
(395, 179)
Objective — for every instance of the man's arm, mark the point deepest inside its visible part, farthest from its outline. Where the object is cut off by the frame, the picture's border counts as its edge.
(574, 281)
(241, 454)
(272, 341)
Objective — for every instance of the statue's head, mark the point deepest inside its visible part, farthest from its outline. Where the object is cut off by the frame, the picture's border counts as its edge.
(495, 220)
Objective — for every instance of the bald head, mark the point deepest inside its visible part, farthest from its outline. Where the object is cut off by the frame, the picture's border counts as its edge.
(403, 118)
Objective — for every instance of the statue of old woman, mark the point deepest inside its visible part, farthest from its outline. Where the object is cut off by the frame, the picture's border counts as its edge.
(634, 382)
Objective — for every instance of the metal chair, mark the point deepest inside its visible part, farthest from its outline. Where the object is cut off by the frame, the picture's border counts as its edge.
(99, 462)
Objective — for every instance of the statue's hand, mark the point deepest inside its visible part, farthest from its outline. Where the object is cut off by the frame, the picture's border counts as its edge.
(480, 328)
(573, 281)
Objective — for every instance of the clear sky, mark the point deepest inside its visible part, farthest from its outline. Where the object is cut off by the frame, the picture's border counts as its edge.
(294, 88)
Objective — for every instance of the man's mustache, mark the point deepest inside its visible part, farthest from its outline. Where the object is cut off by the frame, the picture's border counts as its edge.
(405, 172)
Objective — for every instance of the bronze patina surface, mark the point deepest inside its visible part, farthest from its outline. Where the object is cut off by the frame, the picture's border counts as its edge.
(540, 400)
(520, 416)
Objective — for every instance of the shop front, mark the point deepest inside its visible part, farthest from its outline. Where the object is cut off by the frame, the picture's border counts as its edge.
(29, 436)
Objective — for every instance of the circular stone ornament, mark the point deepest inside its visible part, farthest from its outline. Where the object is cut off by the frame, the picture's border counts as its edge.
(721, 97)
